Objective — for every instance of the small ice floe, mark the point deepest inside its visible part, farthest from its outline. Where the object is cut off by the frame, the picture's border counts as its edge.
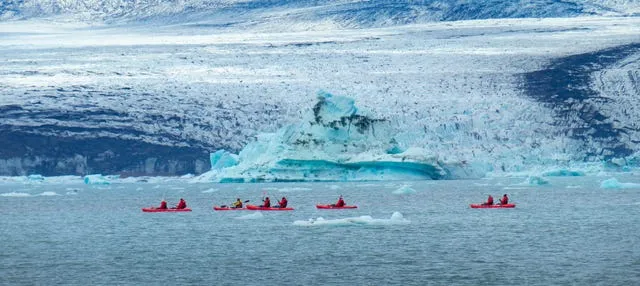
(48, 194)
(255, 215)
(574, 187)
(404, 190)
(396, 218)
(96, 179)
(614, 184)
(210, 190)
(15, 195)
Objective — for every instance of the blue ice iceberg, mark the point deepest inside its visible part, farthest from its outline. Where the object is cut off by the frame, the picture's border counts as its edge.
(334, 142)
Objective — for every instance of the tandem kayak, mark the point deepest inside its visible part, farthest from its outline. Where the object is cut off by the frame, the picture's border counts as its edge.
(157, 210)
(331, 207)
(259, 208)
(481, 206)
(217, 208)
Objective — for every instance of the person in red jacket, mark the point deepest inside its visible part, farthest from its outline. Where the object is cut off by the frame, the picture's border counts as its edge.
(267, 203)
(504, 200)
(181, 204)
(163, 205)
(489, 201)
(340, 203)
(282, 203)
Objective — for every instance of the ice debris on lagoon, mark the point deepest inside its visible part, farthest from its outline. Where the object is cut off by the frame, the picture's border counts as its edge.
(334, 142)
(396, 218)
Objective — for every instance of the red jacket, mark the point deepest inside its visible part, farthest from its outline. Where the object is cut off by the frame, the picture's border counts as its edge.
(504, 200)
(182, 205)
(267, 203)
(283, 203)
(340, 203)
(490, 200)
(163, 205)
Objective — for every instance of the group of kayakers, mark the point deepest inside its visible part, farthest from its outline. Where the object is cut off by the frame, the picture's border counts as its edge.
(182, 204)
(238, 204)
(503, 201)
(266, 203)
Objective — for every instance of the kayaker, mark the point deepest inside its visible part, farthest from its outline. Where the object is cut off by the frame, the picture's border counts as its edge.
(282, 203)
(181, 204)
(163, 205)
(340, 203)
(267, 203)
(504, 200)
(489, 201)
(237, 204)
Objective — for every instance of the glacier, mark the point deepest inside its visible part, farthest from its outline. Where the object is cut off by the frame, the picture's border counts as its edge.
(438, 89)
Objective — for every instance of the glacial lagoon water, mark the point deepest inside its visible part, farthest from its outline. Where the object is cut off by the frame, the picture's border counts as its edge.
(570, 232)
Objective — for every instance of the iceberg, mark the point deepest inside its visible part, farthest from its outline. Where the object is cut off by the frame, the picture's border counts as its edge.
(334, 142)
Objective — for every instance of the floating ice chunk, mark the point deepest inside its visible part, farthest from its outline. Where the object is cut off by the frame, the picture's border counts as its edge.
(614, 184)
(211, 190)
(16, 195)
(396, 218)
(254, 215)
(48, 194)
(534, 181)
(562, 173)
(35, 178)
(404, 190)
(96, 179)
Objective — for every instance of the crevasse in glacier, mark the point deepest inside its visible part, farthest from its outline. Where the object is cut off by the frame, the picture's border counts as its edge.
(334, 142)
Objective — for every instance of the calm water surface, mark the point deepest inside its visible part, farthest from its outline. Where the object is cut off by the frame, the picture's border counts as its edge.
(569, 233)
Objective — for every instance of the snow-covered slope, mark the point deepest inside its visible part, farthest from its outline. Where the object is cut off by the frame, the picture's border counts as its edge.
(157, 88)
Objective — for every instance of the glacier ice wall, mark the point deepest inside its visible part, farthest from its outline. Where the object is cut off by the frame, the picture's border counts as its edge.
(465, 95)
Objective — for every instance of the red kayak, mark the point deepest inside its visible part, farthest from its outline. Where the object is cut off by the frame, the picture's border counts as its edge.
(331, 207)
(259, 208)
(216, 208)
(157, 210)
(482, 206)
